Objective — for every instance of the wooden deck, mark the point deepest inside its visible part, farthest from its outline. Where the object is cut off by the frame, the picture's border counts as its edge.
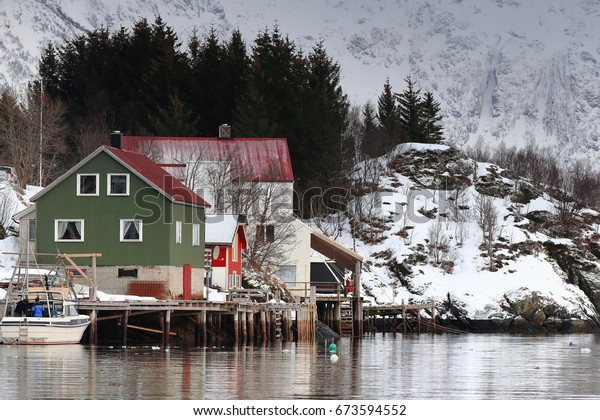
(200, 322)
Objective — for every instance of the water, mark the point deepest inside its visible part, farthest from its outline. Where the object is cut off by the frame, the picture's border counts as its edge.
(469, 366)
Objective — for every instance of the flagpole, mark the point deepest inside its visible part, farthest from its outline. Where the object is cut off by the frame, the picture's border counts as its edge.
(41, 125)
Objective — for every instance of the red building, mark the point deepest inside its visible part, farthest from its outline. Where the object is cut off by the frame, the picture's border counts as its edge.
(225, 239)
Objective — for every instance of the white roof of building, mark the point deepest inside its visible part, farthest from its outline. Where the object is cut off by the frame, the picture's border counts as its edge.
(221, 228)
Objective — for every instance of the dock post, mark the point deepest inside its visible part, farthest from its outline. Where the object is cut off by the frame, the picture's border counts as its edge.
(263, 325)
(244, 320)
(203, 329)
(210, 330)
(236, 327)
(433, 315)
(94, 327)
(167, 328)
(251, 327)
(124, 326)
(289, 326)
(403, 317)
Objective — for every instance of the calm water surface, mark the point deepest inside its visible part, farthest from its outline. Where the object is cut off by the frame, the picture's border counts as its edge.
(469, 366)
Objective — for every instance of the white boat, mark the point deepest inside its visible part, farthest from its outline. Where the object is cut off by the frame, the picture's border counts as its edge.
(57, 321)
(60, 322)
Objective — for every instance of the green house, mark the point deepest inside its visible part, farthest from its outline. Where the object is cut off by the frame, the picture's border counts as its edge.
(147, 225)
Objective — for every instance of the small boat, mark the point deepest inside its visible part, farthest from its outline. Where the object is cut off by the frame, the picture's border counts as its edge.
(41, 311)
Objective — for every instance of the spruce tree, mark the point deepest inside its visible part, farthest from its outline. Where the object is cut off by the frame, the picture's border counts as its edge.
(387, 115)
(433, 131)
(372, 144)
(325, 113)
(409, 111)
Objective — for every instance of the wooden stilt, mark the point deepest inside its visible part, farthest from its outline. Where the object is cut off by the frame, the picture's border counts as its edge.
(251, 327)
(167, 329)
(244, 321)
(210, 329)
(94, 327)
(290, 335)
(124, 322)
(236, 327)
(263, 325)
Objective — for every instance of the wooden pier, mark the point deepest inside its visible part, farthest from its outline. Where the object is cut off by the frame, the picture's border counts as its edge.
(199, 322)
(405, 318)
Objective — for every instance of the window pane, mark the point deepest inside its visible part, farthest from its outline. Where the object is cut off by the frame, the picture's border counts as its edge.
(131, 230)
(31, 232)
(69, 230)
(87, 184)
(196, 235)
(118, 184)
(177, 232)
(270, 237)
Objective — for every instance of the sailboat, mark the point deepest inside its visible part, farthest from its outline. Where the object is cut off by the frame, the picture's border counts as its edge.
(40, 308)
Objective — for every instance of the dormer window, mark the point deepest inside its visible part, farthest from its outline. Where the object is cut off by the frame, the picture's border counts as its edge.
(118, 184)
(87, 184)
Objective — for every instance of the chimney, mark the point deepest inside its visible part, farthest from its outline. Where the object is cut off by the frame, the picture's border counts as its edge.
(224, 131)
(116, 139)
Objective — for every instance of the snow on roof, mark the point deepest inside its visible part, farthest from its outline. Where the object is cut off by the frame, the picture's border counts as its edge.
(253, 159)
(221, 228)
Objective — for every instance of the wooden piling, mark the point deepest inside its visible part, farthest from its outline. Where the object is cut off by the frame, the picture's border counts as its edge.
(94, 327)
(236, 327)
(244, 321)
(263, 325)
(124, 324)
(167, 329)
(251, 327)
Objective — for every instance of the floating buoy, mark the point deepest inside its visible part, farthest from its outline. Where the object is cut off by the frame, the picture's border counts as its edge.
(332, 348)
(334, 358)
(585, 350)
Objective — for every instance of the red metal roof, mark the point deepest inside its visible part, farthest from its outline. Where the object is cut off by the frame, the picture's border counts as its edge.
(157, 176)
(252, 159)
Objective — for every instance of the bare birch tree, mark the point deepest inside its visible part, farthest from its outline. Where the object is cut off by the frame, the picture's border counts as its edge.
(486, 216)
(34, 135)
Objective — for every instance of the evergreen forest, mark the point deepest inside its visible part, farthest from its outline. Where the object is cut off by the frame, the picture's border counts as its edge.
(144, 81)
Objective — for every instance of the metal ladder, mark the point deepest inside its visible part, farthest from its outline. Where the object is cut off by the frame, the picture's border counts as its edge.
(278, 325)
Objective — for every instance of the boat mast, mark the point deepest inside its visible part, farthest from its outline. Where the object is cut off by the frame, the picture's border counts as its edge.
(41, 126)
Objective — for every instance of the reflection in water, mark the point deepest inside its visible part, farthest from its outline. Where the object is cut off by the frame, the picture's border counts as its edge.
(469, 366)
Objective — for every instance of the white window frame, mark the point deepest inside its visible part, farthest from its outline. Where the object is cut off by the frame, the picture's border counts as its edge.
(235, 280)
(31, 233)
(178, 232)
(234, 249)
(82, 230)
(122, 230)
(109, 184)
(95, 194)
(196, 234)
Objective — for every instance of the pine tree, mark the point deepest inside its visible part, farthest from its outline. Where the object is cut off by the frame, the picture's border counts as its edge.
(372, 144)
(433, 131)
(252, 117)
(326, 109)
(387, 115)
(409, 111)
(206, 94)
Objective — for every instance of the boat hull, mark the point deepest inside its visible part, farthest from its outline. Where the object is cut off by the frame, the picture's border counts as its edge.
(31, 330)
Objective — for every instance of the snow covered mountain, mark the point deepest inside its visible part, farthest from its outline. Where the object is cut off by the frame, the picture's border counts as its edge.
(511, 70)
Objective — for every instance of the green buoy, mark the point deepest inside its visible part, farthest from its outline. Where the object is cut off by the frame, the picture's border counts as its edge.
(332, 348)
